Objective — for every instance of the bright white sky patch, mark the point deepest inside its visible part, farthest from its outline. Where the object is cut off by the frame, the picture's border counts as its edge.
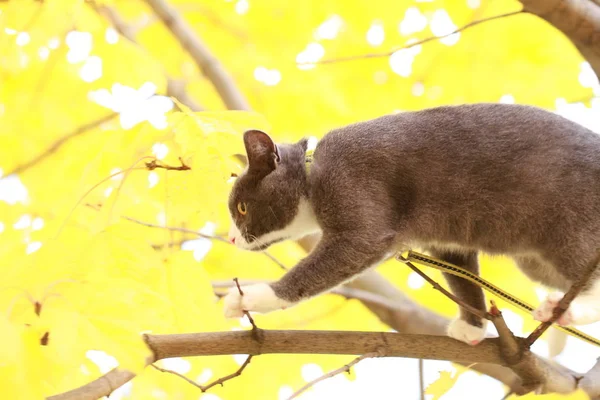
(473, 4)
(23, 222)
(23, 39)
(92, 69)
(441, 24)
(581, 114)
(310, 372)
(43, 52)
(200, 246)
(153, 179)
(312, 53)
(117, 176)
(12, 190)
(134, 106)
(242, 7)
(160, 150)
(415, 281)
(1, 227)
(178, 365)
(37, 223)
(111, 35)
(285, 392)
(588, 79)
(104, 361)
(54, 43)
(412, 22)
(330, 28)
(10, 31)
(376, 34)
(507, 99)
(401, 61)
(269, 77)
(80, 46)
(418, 89)
(33, 247)
(204, 376)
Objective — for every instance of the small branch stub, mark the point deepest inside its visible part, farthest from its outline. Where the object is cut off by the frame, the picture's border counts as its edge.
(154, 164)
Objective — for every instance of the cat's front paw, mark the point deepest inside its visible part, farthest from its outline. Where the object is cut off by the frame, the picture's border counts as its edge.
(582, 311)
(259, 297)
(470, 334)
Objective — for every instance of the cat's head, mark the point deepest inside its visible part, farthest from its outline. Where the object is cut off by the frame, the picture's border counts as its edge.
(268, 202)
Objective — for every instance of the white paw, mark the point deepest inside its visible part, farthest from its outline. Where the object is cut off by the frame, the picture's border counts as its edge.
(544, 311)
(582, 311)
(259, 297)
(465, 332)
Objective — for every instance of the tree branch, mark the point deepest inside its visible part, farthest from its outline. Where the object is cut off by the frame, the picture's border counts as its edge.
(579, 20)
(417, 43)
(330, 374)
(208, 64)
(387, 344)
(412, 318)
(175, 88)
(204, 388)
(53, 148)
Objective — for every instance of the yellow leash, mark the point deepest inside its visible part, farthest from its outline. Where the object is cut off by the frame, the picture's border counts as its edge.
(476, 279)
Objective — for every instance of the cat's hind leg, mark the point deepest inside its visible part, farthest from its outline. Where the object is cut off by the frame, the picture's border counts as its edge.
(467, 328)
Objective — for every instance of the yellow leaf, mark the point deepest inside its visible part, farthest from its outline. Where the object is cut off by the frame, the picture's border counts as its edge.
(444, 383)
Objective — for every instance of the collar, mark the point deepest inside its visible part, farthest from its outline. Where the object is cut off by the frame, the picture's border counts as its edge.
(308, 156)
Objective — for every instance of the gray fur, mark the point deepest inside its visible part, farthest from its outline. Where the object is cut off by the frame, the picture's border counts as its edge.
(503, 179)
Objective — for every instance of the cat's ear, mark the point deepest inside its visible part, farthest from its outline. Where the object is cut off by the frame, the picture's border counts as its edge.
(262, 152)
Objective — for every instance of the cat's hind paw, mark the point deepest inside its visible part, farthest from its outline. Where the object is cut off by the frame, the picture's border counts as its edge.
(470, 334)
(259, 297)
(582, 311)
(544, 311)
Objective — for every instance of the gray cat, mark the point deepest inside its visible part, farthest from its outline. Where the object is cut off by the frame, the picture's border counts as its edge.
(456, 180)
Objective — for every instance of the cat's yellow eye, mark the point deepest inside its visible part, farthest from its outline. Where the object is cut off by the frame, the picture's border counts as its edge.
(241, 206)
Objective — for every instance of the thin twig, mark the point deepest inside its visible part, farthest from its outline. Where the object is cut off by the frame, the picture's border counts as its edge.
(421, 380)
(204, 59)
(220, 381)
(345, 368)
(202, 235)
(154, 164)
(60, 142)
(563, 304)
(246, 313)
(417, 43)
(437, 286)
(175, 229)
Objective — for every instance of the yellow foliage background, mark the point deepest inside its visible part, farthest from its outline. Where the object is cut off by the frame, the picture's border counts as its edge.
(82, 109)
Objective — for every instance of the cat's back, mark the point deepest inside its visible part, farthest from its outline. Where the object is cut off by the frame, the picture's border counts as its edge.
(484, 132)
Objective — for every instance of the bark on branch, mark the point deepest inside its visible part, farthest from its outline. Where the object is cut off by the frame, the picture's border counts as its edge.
(208, 64)
(579, 20)
(385, 344)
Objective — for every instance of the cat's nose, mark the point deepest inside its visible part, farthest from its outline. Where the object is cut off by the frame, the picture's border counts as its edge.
(232, 240)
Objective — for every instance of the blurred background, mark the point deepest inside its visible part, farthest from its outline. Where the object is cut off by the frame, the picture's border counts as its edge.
(89, 88)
